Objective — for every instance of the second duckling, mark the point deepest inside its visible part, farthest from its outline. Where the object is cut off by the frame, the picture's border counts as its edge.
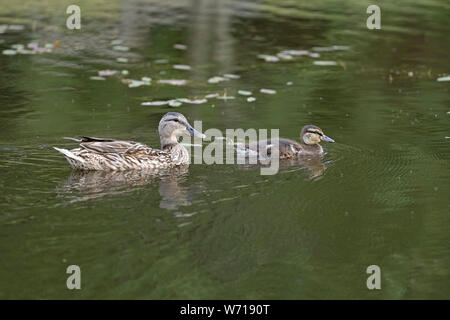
(310, 137)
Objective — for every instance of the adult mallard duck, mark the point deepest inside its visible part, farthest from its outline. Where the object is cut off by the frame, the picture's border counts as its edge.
(109, 154)
(310, 137)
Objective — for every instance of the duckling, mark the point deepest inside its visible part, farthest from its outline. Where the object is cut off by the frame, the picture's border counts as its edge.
(110, 154)
(310, 137)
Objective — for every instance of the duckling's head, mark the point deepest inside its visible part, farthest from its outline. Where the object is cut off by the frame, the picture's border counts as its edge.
(173, 125)
(311, 135)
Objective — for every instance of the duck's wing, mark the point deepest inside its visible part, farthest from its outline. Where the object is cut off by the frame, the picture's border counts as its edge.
(103, 146)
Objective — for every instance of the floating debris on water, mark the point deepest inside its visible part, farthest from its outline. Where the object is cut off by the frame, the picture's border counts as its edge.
(268, 91)
(289, 83)
(211, 95)
(9, 52)
(217, 79)
(116, 42)
(180, 46)
(295, 52)
(325, 63)
(251, 99)
(122, 60)
(174, 82)
(197, 101)
(107, 73)
(182, 67)
(284, 56)
(124, 72)
(97, 78)
(268, 58)
(447, 78)
(244, 93)
(231, 76)
(314, 55)
(146, 79)
(174, 103)
(154, 103)
(121, 48)
(137, 83)
(17, 46)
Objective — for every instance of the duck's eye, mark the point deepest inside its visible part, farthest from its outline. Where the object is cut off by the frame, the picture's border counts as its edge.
(319, 133)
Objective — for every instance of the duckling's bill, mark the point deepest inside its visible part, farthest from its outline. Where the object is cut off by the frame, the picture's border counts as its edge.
(325, 138)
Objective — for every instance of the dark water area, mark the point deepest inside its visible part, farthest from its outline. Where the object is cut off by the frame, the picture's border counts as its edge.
(379, 195)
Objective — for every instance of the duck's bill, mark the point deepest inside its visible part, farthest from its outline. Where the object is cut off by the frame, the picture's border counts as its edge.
(327, 139)
(192, 132)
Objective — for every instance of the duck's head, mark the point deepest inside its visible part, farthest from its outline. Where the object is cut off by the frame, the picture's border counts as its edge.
(173, 125)
(311, 135)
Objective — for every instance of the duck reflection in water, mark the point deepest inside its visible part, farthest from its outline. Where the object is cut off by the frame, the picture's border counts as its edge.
(314, 166)
(87, 185)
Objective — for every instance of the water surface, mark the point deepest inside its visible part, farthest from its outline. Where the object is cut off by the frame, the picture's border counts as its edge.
(379, 196)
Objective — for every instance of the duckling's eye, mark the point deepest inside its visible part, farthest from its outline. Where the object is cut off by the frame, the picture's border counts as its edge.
(319, 133)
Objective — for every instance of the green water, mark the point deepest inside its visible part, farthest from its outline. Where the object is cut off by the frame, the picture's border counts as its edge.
(379, 196)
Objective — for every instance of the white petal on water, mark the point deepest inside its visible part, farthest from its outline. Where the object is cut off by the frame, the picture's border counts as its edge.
(122, 60)
(107, 73)
(447, 78)
(217, 79)
(197, 101)
(180, 46)
(116, 42)
(284, 56)
(251, 99)
(268, 58)
(9, 52)
(182, 67)
(137, 83)
(49, 45)
(295, 52)
(17, 46)
(314, 55)
(96, 78)
(211, 95)
(154, 103)
(289, 83)
(146, 79)
(244, 93)
(174, 82)
(325, 63)
(341, 47)
(121, 48)
(174, 103)
(124, 72)
(268, 91)
(231, 76)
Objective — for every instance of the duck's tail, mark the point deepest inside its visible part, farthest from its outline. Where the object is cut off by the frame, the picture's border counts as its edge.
(74, 160)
